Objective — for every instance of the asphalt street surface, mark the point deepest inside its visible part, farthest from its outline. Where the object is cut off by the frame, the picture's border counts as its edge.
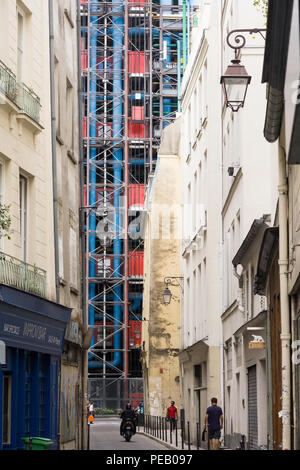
(105, 435)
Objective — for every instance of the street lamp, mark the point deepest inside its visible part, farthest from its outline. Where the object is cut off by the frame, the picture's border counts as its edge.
(236, 80)
(235, 84)
(170, 281)
(167, 296)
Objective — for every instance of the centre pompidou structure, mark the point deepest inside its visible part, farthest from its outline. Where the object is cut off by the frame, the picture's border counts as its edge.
(131, 62)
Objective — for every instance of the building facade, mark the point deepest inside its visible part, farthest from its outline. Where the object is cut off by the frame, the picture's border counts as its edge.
(39, 392)
(160, 334)
(200, 327)
(249, 201)
(66, 163)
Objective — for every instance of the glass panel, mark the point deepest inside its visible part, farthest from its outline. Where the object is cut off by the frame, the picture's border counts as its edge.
(6, 410)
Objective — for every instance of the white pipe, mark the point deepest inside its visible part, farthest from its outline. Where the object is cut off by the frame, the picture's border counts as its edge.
(284, 299)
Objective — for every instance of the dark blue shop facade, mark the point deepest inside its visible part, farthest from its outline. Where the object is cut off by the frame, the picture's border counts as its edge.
(33, 330)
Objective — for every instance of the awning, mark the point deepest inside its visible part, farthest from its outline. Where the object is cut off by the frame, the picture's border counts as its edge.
(275, 62)
(266, 255)
(254, 322)
(31, 322)
(252, 234)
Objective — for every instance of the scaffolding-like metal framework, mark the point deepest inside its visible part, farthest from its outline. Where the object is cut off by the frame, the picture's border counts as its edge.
(130, 68)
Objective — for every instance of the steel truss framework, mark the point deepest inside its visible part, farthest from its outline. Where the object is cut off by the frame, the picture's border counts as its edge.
(130, 72)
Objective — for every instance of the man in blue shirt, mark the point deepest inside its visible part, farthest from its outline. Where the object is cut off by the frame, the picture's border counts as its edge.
(214, 422)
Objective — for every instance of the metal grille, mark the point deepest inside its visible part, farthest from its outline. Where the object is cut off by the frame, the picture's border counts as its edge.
(252, 408)
(111, 394)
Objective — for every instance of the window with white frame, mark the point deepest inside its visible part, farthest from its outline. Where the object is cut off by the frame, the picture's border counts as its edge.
(20, 45)
(23, 191)
(1, 198)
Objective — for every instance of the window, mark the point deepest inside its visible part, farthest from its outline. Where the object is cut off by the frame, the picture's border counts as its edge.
(23, 184)
(6, 410)
(20, 46)
(43, 396)
(1, 197)
(28, 371)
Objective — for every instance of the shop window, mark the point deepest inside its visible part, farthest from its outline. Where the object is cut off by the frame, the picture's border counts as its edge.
(27, 394)
(43, 394)
(6, 410)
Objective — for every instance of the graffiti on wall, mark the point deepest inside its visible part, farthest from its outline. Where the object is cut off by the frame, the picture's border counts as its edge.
(69, 403)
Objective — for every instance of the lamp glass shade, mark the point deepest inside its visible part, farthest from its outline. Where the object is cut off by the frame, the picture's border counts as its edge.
(235, 84)
(167, 296)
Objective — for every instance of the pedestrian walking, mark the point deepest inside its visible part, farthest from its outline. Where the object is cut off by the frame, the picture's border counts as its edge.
(91, 413)
(214, 423)
(172, 415)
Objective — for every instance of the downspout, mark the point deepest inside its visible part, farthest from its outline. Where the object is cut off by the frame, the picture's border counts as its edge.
(221, 265)
(92, 105)
(53, 147)
(284, 298)
(184, 33)
(82, 238)
(178, 75)
(54, 187)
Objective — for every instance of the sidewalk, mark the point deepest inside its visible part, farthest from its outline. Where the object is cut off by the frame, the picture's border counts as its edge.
(170, 443)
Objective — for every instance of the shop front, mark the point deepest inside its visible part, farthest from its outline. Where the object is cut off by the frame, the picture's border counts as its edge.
(33, 330)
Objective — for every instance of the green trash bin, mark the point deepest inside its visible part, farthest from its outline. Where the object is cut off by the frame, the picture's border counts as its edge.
(37, 443)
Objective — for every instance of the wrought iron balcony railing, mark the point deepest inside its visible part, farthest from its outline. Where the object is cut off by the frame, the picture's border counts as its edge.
(19, 93)
(29, 102)
(24, 276)
(8, 82)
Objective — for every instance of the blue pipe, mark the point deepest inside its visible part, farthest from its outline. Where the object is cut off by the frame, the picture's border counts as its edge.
(92, 169)
(117, 38)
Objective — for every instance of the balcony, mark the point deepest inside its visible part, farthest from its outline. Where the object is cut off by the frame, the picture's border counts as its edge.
(8, 87)
(29, 102)
(19, 98)
(23, 276)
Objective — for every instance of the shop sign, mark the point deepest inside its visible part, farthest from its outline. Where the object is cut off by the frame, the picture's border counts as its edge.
(2, 353)
(257, 343)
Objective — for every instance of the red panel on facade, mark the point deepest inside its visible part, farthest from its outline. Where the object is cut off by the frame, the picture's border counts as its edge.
(136, 263)
(136, 195)
(137, 113)
(134, 334)
(138, 2)
(137, 62)
(137, 131)
(84, 128)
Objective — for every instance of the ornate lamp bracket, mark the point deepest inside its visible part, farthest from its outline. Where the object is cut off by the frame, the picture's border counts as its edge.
(236, 40)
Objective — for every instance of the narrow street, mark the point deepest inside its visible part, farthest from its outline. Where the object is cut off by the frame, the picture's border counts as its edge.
(105, 435)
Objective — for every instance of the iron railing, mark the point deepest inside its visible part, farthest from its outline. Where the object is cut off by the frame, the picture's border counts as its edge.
(24, 276)
(29, 102)
(19, 93)
(8, 82)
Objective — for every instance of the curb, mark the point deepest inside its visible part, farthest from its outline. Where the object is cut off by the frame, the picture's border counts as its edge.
(167, 444)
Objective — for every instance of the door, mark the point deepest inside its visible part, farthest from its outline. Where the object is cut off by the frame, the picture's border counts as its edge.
(252, 409)
(275, 330)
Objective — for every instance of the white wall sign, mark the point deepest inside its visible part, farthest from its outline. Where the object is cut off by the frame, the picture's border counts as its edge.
(2, 353)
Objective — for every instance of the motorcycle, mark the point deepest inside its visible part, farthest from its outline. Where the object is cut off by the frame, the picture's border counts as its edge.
(128, 430)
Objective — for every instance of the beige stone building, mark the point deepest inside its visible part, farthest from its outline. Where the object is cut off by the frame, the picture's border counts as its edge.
(160, 333)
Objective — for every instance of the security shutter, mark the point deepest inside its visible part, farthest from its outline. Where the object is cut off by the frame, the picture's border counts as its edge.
(252, 408)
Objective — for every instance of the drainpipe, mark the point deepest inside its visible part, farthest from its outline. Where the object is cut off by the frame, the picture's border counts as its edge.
(53, 143)
(284, 299)
(54, 183)
(82, 239)
(184, 33)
